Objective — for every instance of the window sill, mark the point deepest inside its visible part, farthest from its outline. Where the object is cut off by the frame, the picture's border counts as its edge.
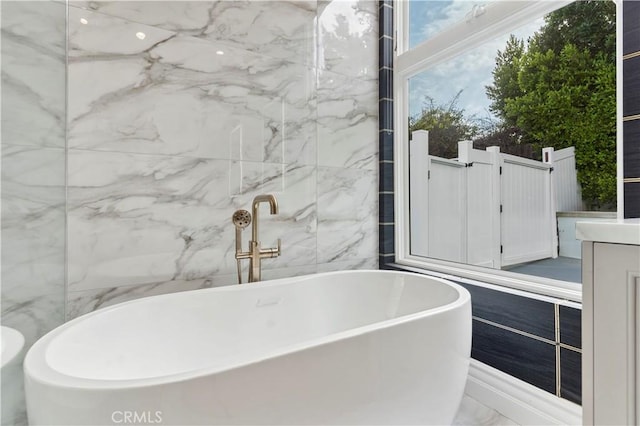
(536, 287)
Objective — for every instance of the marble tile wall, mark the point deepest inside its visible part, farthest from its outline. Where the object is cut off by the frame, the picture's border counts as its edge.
(180, 113)
(33, 179)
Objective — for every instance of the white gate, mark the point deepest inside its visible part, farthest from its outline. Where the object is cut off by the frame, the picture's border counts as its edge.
(527, 217)
(485, 208)
(447, 210)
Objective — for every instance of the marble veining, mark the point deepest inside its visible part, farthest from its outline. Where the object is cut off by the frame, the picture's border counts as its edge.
(198, 122)
(83, 302)
(253, 26)
(188, 98)
(347, 121)
(33, 217)
(33, 61)
(347, 213)
(158, 218)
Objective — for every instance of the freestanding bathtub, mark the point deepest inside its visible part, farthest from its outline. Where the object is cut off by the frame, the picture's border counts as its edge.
(356, 347)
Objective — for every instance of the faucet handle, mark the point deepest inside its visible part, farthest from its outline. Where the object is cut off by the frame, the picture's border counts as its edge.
(271, 252)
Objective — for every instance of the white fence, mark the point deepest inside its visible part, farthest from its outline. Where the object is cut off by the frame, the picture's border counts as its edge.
(487, 208)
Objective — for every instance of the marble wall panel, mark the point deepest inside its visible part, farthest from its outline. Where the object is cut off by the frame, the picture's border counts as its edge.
(33, 218)
(347, 121)
(347, 214)
(348, 38)
(279, 29)
(85, 301)
(33, 73)
(136, 219)
(217, 103)
(181, 95)
(33, 179)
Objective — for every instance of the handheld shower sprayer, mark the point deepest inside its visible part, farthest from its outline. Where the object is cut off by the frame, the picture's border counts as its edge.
(241, 219)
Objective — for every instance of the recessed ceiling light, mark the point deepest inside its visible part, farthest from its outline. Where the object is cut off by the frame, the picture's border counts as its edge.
(141, 35)
(219, 52)
(83, 21)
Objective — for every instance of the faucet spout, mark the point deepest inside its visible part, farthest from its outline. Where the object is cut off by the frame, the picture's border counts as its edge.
(265, 198)
(256, 254)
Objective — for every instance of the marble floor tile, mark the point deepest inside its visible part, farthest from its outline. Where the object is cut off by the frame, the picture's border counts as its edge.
(473, 413)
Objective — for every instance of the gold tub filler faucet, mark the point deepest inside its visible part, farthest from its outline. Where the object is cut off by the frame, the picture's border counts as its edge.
(241, 219)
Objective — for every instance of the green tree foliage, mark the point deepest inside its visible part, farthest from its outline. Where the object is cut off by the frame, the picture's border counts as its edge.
(505, 77)
(447, 125)
(560, 92)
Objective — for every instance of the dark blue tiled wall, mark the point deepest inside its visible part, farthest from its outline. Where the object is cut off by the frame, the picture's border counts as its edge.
(631, 106)
(524, 314)
(630, 27)
(631, 132)
(571, 375)
(528, 359)
(570, 326)
(631, 84)
(632, 199)
(528, 339)
(386, 189)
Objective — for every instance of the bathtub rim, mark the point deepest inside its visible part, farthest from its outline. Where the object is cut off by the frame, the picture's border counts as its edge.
(35, 359)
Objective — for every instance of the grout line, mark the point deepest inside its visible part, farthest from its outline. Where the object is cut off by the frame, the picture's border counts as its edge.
(631, 117)
(570, 348)
(631, 180)
(386, 223)
(631, 55)
(514, 330)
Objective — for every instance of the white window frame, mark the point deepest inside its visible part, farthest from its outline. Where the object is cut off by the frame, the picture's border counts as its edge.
(499, 18)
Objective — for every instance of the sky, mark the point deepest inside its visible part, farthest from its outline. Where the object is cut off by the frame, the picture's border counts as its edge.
(470, 72)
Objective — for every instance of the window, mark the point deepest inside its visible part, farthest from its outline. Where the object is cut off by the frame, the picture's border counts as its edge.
(508, 137)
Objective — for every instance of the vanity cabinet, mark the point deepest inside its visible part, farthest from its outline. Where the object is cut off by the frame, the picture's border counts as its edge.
(610, 323)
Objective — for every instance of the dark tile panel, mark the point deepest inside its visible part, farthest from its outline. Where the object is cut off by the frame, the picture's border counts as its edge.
(630, 26)
(571, 375)
(386, 236)
(571, 326)
(385, 109)
(385, 22)
(385, 263)
(385, 83)
(520, 356)
(385, 52)
(386, 145)
(631, 84)
(631, 200)
(631, 148)
(386, 208)
(386, 177)
(522, 313)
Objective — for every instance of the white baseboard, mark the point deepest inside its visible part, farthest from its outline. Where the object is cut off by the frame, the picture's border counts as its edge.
(521, 402)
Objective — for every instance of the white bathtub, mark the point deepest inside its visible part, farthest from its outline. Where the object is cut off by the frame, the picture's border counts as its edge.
(358, 347)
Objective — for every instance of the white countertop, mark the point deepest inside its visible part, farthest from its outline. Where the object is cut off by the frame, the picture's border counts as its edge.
(625, 231)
